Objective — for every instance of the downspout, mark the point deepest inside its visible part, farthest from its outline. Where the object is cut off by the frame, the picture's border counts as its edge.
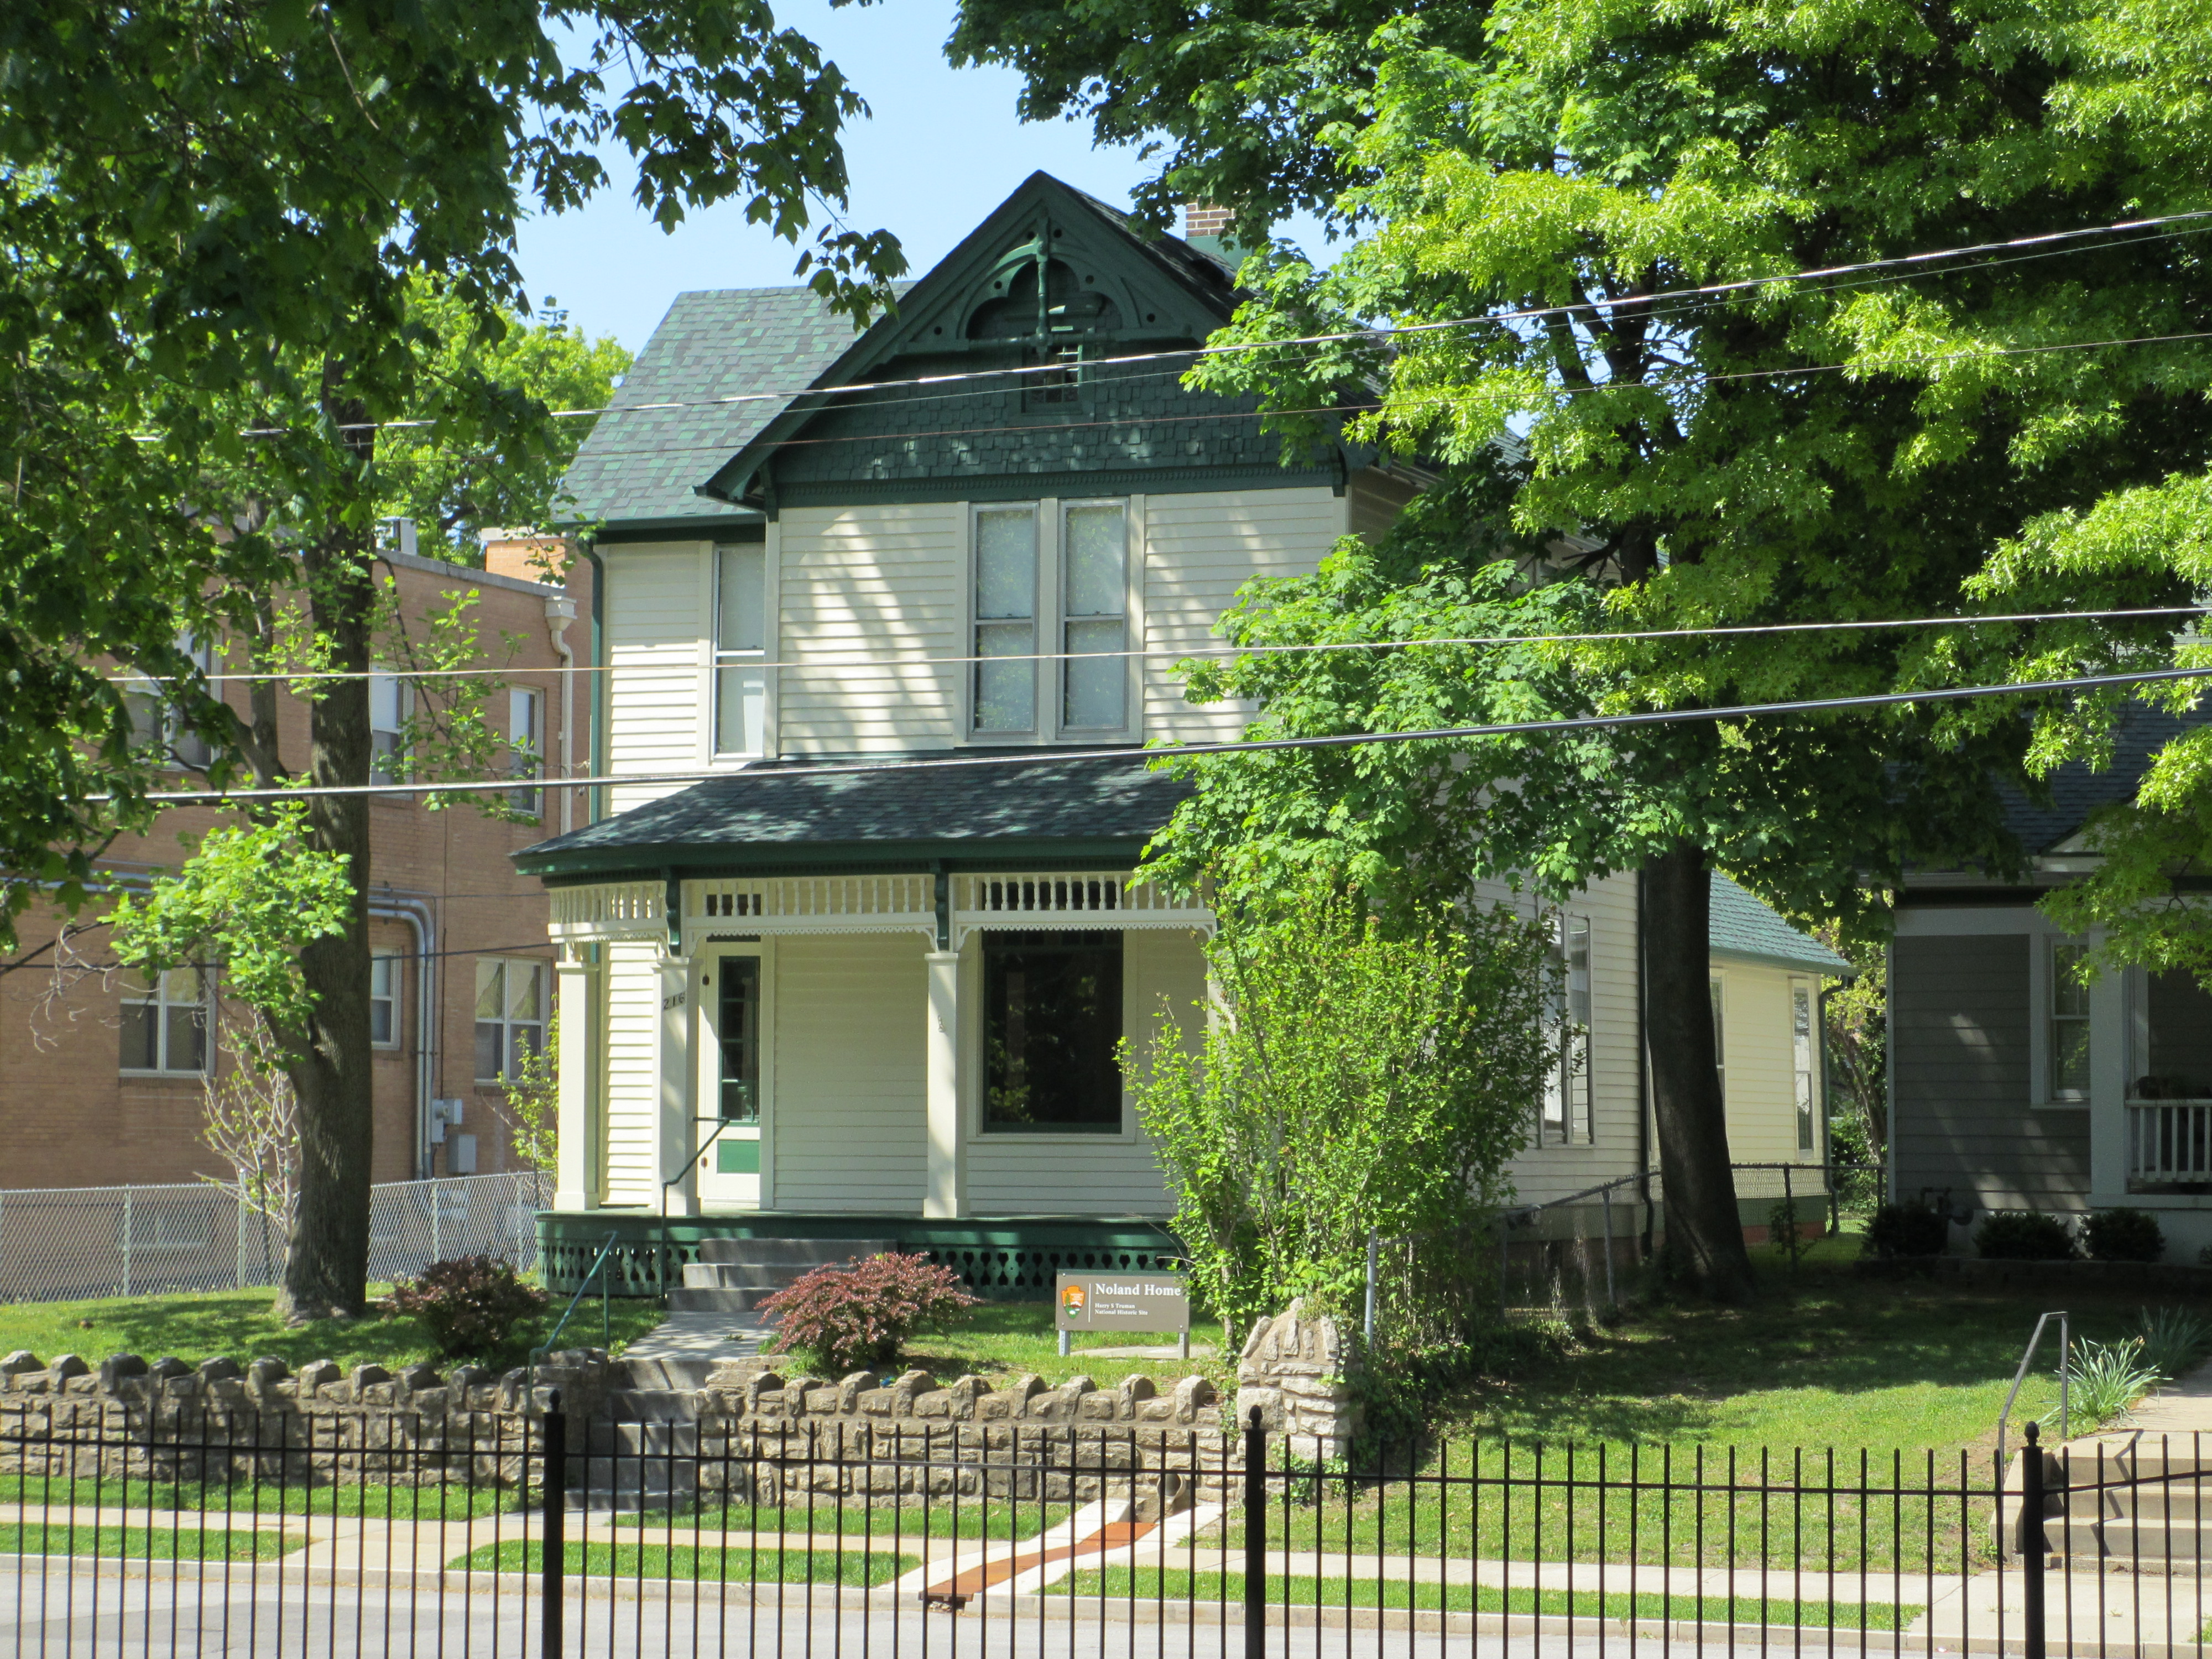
(417, 913)
(1643, 1073)
(560, 611)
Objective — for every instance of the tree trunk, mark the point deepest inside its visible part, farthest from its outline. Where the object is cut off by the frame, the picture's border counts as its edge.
(1703, 1247)
(327, 1269)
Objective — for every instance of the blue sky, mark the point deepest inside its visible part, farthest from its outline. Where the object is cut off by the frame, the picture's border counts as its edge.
(942, 149)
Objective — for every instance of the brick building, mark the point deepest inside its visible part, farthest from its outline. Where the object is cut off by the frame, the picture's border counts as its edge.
(102, 1078)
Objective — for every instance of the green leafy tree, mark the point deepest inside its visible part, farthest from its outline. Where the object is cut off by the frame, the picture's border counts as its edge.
(1840, 450)
(230, 226)
(1358, 1081)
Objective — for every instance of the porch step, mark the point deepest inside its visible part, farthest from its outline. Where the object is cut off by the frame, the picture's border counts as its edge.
(736, 1275)
(687, 1298)
(640, 1452)
(2142, 1500)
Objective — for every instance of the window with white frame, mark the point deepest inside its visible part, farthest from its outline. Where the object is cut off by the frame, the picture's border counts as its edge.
(1094, 606)
(1005, 602)
(384, 1001)
(510, 1017)
(741, 649)
(387, 728)
(164, 1020)
(1568, 1118)
(525, 742)
(1720, 1040)
(2066, 1022)
(155, 722)
(1801, 1051)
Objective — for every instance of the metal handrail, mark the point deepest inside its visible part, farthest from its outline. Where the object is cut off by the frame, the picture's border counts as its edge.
(2065, 1352)
(606, 1328)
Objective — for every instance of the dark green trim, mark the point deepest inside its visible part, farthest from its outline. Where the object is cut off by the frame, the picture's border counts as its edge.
(689, 860)
(746, 525)
(1029, 487)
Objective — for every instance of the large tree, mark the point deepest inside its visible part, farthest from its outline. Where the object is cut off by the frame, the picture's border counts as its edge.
(220, 217)
(1534, 176)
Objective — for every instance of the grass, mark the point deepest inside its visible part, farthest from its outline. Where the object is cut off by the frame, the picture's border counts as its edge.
(1178, 1584)
(1001, 1341)
(885, 1522)
(374, 1503)
(241, 1325)
(144, 1543)
(685, 1564)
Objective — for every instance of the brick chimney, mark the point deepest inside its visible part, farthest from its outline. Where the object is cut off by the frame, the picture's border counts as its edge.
(1204, 219)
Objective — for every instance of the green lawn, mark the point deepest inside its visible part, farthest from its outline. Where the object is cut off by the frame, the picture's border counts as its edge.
(885, 1524)
(144, 1543)
(240, 1325)
(1296, 1591)
(854, 1569)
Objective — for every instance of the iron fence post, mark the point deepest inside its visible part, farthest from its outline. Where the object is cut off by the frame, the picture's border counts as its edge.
(2031, 1548)
(1256, 1538)
(554, 1527)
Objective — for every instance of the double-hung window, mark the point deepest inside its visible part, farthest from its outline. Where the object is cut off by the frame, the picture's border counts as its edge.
(510, 1017)
(387, 728)
(525, 742)
(384, 1001)
(1801, 1051)
(2066, 1025)
(741, 649)
(155, 723)
(1094, 609)
(1006, 619)
(1568, 1118)
(1051, 607)
(1052, 1015)
(164, 1020)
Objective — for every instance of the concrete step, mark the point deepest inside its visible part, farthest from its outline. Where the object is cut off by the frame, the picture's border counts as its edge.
(686, 1298)
(647, 1407)
(669, 1373)
(741, 1275)
(2153, 1546)
(804, 1252)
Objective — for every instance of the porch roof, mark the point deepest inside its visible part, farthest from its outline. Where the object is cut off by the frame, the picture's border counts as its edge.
(797, 816)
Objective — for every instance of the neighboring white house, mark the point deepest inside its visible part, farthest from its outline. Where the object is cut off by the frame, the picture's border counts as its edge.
(828, 993)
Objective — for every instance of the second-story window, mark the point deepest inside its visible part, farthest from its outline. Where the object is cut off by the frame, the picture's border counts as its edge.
(1005, 618)
(155, 722)
(741, 650)
(164, 1020)
(525, 742)
(1094, 610)
(387, 728)
(384, 1001)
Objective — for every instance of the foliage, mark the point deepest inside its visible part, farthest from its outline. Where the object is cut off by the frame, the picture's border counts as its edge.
(2175, 1340)
(471, 1305)
(2104, 1378)
(250, 1120)
(857, 1315)
(1854, 1031)
(2123, 1235)
(1784, 1230)
(529, 1104)
(2023, 1235)
(1358, 1081)
(1904, 1231)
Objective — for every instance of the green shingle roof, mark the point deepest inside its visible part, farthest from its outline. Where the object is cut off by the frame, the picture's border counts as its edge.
(642, 468)
(1747, 928)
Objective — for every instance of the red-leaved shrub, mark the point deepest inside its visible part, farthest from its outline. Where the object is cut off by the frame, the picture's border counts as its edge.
(857, 1315)
(470, 1305)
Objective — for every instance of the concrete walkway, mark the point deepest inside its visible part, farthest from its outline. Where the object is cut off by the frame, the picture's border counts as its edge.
(688, 1346)
(2184, 1407)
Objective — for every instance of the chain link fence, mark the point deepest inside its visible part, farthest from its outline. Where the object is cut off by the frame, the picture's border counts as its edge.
(64, 1243)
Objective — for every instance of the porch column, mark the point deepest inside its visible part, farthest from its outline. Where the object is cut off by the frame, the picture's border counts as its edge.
(946, 1193)
(677, 1133)
(581, 1151)
(2110, 1053)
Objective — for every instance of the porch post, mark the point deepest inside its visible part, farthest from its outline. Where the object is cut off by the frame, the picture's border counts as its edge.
(946, 1193)
(2110, 1054)
(677, 1133)
(581, 1153)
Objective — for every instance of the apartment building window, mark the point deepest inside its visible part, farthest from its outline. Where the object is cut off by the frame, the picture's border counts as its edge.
(164, 1020)
(1568, 1088)
(1095, 615)
(2066, 1024)
(387, 728)
(525, 742)
(1006, 619)
(384, 1001)
(1720, 1041)
(510, 1017)
(1801, 1058)
(155, 722)
(1052, 1013)
(741, 650)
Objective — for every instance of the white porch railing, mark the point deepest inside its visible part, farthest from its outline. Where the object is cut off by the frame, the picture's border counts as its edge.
(2169, 1142)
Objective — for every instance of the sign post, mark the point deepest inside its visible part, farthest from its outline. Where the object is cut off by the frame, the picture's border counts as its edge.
(1121, 1302)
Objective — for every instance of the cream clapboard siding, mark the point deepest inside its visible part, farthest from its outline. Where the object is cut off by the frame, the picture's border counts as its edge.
(1761, 1074)
(655, 615)
(633, 1097)
(1199, 549)
(880, 582)
(850, 1112)
(1025, 1174)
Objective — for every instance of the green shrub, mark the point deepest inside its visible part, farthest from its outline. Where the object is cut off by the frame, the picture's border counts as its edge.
(1912, 1229)
(2023, 1235)
(470, 1305)
(857, 1315)
(2105, 1379)
(2123, 1235)
(2174, 1340)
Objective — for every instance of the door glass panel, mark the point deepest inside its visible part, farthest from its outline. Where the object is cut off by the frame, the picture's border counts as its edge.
(741, 1039)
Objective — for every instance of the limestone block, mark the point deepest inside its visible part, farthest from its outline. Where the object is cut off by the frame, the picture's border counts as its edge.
(1098, 1407)
(1136, 1389)
(1155, 1410)
(937, 1403)
(909, 1386)
(116, 1368)
(315, 1374)
(265, 1373)
(66, 1366)
(415, 1378)
(218, 1370)
(366, 1377)
(764, 1392)
(1019, 1392)
(1269, 1402)
(1293, 1343)
(21, 1361)
(852, 1386)
(825, 1401)
(462, 1378)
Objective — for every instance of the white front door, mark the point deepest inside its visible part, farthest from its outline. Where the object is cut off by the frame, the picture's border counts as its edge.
(734, 1081)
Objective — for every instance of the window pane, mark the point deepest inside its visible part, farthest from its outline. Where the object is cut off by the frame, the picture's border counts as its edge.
(741, 718)
(521, 1042)
(487, 1049)
(1096, 689)
(1006, 564)
(141, 1038)
(379, 1019)
(522, 979)
(741, 623)
(2070, 1058)
(739, 1029)
(2179, 1063)
(380, 975)
(183, 985)
(1052, 1015)
(2068, 996)
(488, 994)
(384, 700)
(187, 1039)
(1096, 562)
(1005, 692)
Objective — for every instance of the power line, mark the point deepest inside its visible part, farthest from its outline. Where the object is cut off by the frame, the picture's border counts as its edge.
(878, 659)
(1237, 746)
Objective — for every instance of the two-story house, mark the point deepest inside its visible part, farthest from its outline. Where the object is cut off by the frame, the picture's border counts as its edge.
(852, 950)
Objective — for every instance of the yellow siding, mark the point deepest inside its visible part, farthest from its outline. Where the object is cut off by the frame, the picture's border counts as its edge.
(850, 1107)
(656, 614)
(870, 582)
(1762, 1089)
(633, 1081)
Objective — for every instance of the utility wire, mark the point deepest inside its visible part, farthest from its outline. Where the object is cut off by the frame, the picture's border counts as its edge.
(1237, 746)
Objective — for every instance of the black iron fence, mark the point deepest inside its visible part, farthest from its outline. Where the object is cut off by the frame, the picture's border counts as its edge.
(636, 1531)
